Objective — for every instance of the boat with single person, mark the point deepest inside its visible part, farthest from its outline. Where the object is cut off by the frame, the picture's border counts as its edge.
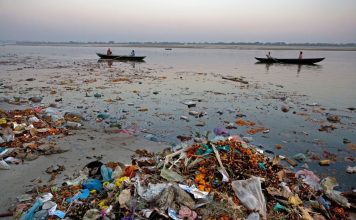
(121, 57)
(290, 61)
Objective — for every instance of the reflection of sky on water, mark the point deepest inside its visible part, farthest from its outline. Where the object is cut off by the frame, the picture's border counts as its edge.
(195, 74)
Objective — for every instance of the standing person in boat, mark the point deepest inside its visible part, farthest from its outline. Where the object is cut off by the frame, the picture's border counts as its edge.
(300, 55)
(109, 52)
(132, 53)
(269, 55)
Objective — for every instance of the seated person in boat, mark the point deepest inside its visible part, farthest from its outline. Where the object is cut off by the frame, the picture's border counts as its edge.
(300, 55)
(269, 55)
(132, 53)
(109, 52)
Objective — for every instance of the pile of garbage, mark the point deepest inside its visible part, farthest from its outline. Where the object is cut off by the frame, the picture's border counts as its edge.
(222, 179)
(22, 133)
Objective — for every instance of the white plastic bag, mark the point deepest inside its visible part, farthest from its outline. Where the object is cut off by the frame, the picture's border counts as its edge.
(250, 194)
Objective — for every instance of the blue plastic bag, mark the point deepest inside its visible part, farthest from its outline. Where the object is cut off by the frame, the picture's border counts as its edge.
(91, 184)
(106, 173)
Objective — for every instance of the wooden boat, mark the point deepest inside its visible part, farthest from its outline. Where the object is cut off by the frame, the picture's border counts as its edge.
(290, 61)
(121, 57)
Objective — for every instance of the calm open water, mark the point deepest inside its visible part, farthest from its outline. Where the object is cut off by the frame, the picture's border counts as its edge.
(196, 74)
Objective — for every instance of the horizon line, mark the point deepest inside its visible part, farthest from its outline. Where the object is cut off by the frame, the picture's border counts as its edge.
(183, 43)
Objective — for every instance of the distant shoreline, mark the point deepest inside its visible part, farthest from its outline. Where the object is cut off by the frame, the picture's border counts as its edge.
(196, 46)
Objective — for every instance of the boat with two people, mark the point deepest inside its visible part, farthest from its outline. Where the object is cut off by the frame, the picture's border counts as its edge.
(300, 60)
(307, 61)
(121, 57)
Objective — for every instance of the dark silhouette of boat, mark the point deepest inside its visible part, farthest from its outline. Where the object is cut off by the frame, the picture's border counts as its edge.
(120, 57)
(290, 61)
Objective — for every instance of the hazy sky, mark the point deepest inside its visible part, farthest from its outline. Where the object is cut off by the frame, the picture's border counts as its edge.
(331, 21)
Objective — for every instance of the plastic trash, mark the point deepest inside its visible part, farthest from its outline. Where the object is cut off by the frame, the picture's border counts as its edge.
(247, 139)
(53, 113)
(301, 158)
(103, 116)
(218, 138)
(24, 197)
(253, 216)
(305, 213)
(121, 180)
(151, 192)
(125, 198)
(171, 175)
(205, 150)
(53, 211)
(48, 205)
(151, 137)
(173, 214)
(286, 192)
(91, 184)
(92, 214)
(278, 207)
(190, 104)
(97, 95)
(33, 119)
(185, 118)
(325, 162)
(40, 215)
(309, 178)
(28, 215)
(83, 194)
(350, 169)
(117, 172)
(221, 132)
(2, 121)
(250, 194)
(106, 173)
(187, 213)
(295, 200)
(12, 160)
(72, 124)
(328, 185)
(79, 180)
(326, 204)
(3, 150)
(4, 165)
(195, 191)
(8, 134)
(262, 166)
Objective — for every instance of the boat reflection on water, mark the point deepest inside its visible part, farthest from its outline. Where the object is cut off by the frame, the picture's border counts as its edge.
(110, 62)
(290, 66)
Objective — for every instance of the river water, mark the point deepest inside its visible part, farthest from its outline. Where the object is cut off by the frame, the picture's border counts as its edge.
(312, 92)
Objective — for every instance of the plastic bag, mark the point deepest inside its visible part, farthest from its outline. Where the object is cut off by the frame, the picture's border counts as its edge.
(84, 193)
(91, 184)
(328, 185)
(221, 132)
(195, 191)
(4, 165)
(309, 178)
(8, 134)
(171, 175)
(53, 113)
(250, 194)
(253, 216)
(151, 192)
(28, 215)
(106, 173)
